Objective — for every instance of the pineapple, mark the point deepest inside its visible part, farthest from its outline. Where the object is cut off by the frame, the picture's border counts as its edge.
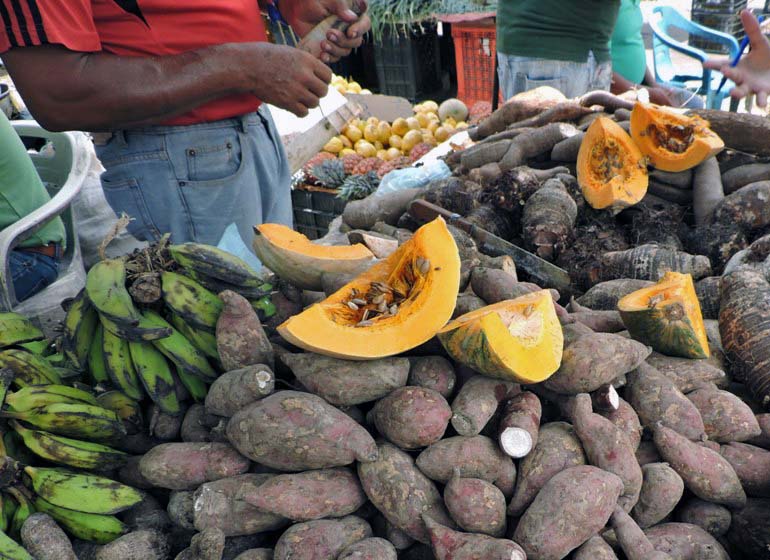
(395, 163)
(357, 187)
(350, 161)
(330, 174)
(317, 159)
(366, 165)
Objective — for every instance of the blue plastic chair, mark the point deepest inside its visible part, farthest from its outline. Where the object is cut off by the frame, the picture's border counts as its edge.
(666, 72)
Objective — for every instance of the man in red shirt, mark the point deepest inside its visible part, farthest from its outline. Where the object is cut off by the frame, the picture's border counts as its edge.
(179, 87)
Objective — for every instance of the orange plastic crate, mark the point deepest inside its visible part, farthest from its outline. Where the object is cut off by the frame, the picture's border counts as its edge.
(475, 52)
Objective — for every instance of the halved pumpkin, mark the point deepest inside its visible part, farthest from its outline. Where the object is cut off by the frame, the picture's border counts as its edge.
(398, 304)
(517, 339)
(611, 171)
(295, 258)
(671, 141)
(667, 317)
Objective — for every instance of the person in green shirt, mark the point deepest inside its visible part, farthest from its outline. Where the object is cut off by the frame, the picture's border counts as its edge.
(629, 61)
(34, 263)
(559, 43)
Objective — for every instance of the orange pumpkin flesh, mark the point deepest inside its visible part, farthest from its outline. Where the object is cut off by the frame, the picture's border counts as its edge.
(518, 339)
(293, 257)
(611, 170)
(671, 141)
(399, 303)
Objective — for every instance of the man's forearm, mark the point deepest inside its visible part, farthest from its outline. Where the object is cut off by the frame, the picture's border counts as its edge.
(65, 90)
(620, 84)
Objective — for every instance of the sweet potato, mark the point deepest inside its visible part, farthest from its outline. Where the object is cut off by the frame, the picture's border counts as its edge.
(208, 545)
(241, 340)
(686, 374)
(627, 421)
(711, 517)
(647, 453)
(594, 360)
(138, 544)
(221, 504)
(466, 303)
(605, 295)
(632, 539)
(494, 285)
(181, 510)
(651, 262)
(519, 107)
(373, 548)
(519, 424)
(475, 456)
(682, 541)
(662, 488)
(725, 417)
(707, 190)
(45, 540)
(656, 399)
(163, 426)
(256, 554)
(705, 473)
(750, 529)
(185, 466)
(595, 548)
(295, 431)
(763, 439)
(235, 389)
(608, 448)
(321, 539)
(476, 505)
(193, 426)
(401, 492)
(395, 536)
(309, 495)
(605, 321)
(752, 465)
(448, 544)
(412, 417)
(433, 372)
(388, 208)
(572, 506)
(477, 402)
(344, 382)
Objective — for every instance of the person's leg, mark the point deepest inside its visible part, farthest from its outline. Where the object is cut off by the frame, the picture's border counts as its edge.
(273, 173)
(600, 74)
(31, 272)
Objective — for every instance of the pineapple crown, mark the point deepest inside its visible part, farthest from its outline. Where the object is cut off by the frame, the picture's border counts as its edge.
(357, 187)
(330, 173)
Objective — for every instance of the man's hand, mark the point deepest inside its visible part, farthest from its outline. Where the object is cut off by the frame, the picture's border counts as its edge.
(303, 15)
(660, 96)
(752, 75)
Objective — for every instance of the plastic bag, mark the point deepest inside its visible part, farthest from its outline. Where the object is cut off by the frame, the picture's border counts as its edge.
(413, 177)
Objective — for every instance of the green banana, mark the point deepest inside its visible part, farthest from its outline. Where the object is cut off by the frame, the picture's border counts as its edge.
(155, 374)
(28, 368)
(7, 509)
(106, 288)
(71, 452)
(16, 329)
(127, 409)
(202, 340)
(28, 398)
(191, 301)
(11, 550)
(214, 262)
(81, 421)
(24, 509)
(91, 527)
(82, 492)
(264, 306)
(119, 366)
(96, 365)
(217, 286)
(135, 334)
(14, 447)
(79, 325)
(39, 347)
(6, 380)
(194, 385)
(180, 350)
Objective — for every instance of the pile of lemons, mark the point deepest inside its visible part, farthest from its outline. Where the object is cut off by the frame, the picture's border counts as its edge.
(344, 86)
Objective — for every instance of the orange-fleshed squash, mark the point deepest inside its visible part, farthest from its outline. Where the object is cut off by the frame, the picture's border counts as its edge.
(399, 303)
(293, 257)
(517, 339)
(667, 317)
(671, 141)
(611, 171)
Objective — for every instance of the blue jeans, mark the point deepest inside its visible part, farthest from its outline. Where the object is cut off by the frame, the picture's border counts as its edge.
(194, 181)
(31, 272)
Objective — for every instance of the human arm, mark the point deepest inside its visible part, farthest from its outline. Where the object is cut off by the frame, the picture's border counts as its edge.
(658, 94)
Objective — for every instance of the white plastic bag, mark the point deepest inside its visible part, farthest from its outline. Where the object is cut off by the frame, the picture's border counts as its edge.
(413, 177)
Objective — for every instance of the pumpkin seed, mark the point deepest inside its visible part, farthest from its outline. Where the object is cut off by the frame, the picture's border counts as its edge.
(382, 307)
(367, 312)
(352, 306)
(424, 266)
(359, 302)
(365, 324)
(393, 309)
(377, 300)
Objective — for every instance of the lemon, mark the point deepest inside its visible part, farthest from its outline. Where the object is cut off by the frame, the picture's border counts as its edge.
(354, 87)
(441, 134)
(345, 141)
(383, 132)
(353, 133)
(371, 134)
(422, 118)
(400, 126)
(334, 146)
(341, 88)
(393, 153)
(462, 125)
(382, 154)
(413, 123)
(379, 145)
(430, 106)
(347, 152)
(366, 92)
(433, 126)
(365, 149)
(395, 141)
(410, 140)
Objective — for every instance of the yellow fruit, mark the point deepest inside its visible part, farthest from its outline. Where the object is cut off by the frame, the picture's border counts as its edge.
(354, 87)
(365, 149)
(428, 138)
(382, 154)
(411, 139)
(353, 133)
(413, 123)
(393, 153)
(449, 126)
(370, 133)
(462, 125)
(399, 126)
(373, 120)
(379, 145)
(345, 141)
(395, 141)
(341, 88)
(383, 132)
(450, 121)
(433, 126)
(441, 134)
(347, 152)
(433, 117)
(422, 118)
(430, 105)
(334, 146)
(365, 92)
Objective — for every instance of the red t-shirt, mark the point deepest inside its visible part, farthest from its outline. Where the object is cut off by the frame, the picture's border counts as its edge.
(138, 28)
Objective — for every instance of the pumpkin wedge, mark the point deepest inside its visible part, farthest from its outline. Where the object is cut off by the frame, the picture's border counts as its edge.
(295, 258)
(667, 317)
(671, 141)
(611, 171)
(517, 339)
(399, 303)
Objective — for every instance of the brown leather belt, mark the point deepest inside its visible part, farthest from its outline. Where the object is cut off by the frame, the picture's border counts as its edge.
(53, 250)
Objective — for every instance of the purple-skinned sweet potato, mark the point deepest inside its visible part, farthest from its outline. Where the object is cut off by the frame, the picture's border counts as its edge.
(373, 548)
(477, 402)
(321, 539)
(595, 548)
(519, 424)
(662, 488)
(627, 421)
(711, 517)
(725, 417)
(241, 340)
(763, 439)
(558, 448)
(448, 544)
(433, 372)
(686, 374)
(572, 507)
(682, 541)
(647, 453)
(632, 539)
(185, 466)
(412, 417)
(752, 465)
(750, 529)
(238, 388)
(476, 505)
(293, 431)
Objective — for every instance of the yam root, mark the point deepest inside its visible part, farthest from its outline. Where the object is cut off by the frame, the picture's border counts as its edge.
(611, 102)
(710, 517)
(517, 185)
(207, 545)
(685, 373)
(453, 545)
(682, 541)
(322, 538)
(412, 417)
(519, 424)
(567, 150)
(678, 179)
(235, 389)
(185, 466)
(45, 540)
(296, 431)
(738, 177)
(704, 472)
(752, 465)
(725, 417)
(388, 208)
(347, 383)
(750, 529)
(518, 108)
(548, 220)
(401, 492)
(595, 548)
(669, 193)
(707, 190)
(535, 143)
(605, 295)
(373, 548)
(476, 505)
(626, 421)
(572, 506)
(477, 401)
(744, 132)
(632, 539)
(241, 340)
(651, 262)
(662, 488)
(557, 449)
(747, 208)
(566, 111)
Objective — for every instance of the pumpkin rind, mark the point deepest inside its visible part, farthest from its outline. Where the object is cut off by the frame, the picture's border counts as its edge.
(425, 269)
(667, 317)
(671, 141)
(295, 258)
(483, 341)
(611, 170)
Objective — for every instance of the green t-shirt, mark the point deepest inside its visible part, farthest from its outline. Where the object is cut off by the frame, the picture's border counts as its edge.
(627, 46)
(21, 190)
(556, 29)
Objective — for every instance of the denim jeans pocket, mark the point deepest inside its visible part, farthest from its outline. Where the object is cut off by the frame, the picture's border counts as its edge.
(126, 195)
